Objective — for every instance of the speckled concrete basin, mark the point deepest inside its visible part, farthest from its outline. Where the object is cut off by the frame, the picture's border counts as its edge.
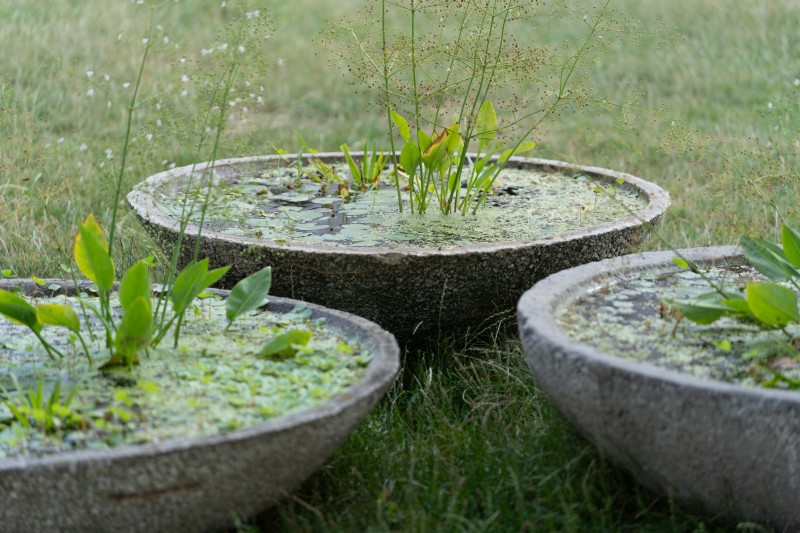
(410, 291)
(194, 484)
(730, 448)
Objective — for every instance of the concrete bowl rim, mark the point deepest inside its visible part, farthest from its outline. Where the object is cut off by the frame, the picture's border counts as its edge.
(537, 306)
(142, 202)
(380, 373)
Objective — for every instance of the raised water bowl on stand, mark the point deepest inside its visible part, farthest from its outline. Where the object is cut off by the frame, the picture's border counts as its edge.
(257, 425)
(413, 274)
(680, 405)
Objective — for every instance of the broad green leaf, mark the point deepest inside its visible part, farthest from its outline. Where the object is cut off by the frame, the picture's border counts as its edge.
(135, 283)
(352, 164)
(767, 258)
(423, 140)
(402, 125)
(434, 153)
(680, 262)
(523, 147)
(772, 304)
(248, 294)
(790, 239)
(18, 310)
(134, 331)
(454, 142)
(706, 308)
(486, 124)
(91, 254)
(285, 344)
(214, 276)
(58, 315)
(409, 157)
(191, 281)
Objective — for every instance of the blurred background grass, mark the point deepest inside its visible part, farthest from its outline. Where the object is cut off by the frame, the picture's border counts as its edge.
(465, 440)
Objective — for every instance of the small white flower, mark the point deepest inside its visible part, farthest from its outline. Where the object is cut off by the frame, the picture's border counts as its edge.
(182, 60)
(281, 61)
(90, 92)
(797, 82)
(260, 100)
(83, 147)
(108, 104)
(184, 78)
(158, 122)
(119, 36)
(106, 77)
(158, 105)
(206, 51)
(222, 47)
(145, 40)
(184, 92)
(769, 106)
(109, 153)
(149, 136)
(166, 40)
(232, 103)
(241, 49)
(60, 140)
(223, 4)
(126, 85)
(89, 73)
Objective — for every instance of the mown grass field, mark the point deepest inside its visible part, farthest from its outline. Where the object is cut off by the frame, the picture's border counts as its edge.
(464, 441)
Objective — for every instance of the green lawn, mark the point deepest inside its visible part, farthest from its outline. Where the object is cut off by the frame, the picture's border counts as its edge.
(464, 440)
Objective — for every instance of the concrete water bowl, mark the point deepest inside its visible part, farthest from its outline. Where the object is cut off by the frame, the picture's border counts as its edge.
(195, 484)
(727, 447)
(411, 291)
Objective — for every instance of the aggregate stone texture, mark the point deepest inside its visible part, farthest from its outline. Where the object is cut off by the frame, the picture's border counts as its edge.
(729, 448)
(412, 292)
(194, 484)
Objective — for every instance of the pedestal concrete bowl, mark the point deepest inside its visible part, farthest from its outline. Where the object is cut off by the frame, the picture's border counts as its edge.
(195, 484)
(731, 448)
(411, 291)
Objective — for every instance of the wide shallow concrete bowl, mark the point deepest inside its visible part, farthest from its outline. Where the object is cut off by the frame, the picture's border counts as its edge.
(411, 291)
(730, 448)
(194, 484)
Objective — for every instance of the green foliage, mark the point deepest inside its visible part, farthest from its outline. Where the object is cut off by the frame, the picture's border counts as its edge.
(767, 304)
(286, 344)
(248, 294)
(49, 413)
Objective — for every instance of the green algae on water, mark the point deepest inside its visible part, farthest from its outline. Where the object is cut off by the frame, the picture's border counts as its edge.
(274, 206)
(627, 318)
(213, 382)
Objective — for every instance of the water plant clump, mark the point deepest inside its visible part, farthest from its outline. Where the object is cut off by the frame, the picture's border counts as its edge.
(218, 379)
(274, 205)
(630, 318)
(443, 70)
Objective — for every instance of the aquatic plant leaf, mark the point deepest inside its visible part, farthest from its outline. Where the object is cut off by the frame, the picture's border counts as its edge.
(248, 294)
(790, 239)
(772, 304)
(352, 164)
(423, 140)
(91, 254)
(767, 258)
(486, 124)
(409, 157)
(18, 310)
(135, 283)
(433, 153)
(58, 315)
(134, 331)
(402, 125)
(704, 309)
(191, 281)
(286, 344)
